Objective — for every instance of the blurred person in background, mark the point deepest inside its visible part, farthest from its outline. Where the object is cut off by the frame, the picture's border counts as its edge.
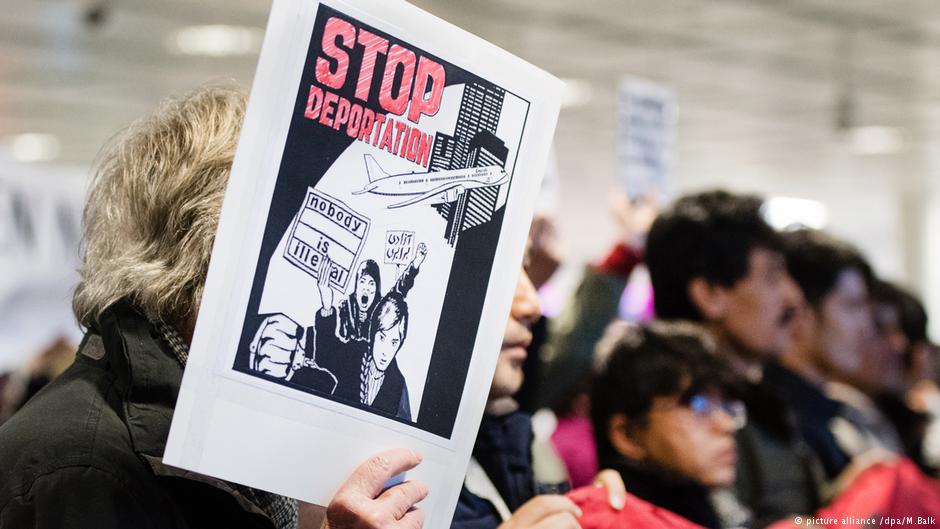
(23, 383)
(881, 374)
(832, 334)
(664, 408)
(921, 358)
(87, 450)
(568, 355)
(910, 400)
(501, 488)
(714, 260)
(543, 258)
(869, 326)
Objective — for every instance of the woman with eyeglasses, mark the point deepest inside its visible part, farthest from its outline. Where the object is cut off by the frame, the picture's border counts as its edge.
(665, 416)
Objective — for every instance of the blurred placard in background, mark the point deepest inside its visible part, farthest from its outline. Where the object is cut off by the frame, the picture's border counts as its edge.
(646, 131)
(40, 230)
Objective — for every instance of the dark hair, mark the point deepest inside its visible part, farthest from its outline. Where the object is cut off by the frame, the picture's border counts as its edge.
(370, 268)
(911, 313)
(657, 359)
(815, 260)
(391, 309)
(708, 235)
(914, 320)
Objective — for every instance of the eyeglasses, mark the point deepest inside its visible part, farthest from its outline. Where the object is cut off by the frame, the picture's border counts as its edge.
(706, 406)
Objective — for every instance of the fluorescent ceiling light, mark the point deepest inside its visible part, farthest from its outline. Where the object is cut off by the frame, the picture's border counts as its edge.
(786, 213)
(215, 40)
(34, 147)
(577, 92)
(871, 140)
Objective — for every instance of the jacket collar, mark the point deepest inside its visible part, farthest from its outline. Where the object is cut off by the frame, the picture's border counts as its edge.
(148, 373)
(503, 449)
(677, 494)
(148, 376)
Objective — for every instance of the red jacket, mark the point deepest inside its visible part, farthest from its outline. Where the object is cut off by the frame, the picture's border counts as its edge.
(899, 492)
(636, 513)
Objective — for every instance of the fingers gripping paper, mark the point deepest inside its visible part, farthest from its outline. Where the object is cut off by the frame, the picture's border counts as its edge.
(367, 252)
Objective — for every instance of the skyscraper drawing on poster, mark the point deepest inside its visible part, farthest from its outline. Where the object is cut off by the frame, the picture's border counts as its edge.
(474, 144)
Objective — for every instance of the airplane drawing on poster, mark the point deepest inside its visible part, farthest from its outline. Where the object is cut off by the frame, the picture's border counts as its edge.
(440, 186)
(382, 229)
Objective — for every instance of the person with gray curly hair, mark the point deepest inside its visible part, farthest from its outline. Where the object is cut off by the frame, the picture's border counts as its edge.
(87, 451)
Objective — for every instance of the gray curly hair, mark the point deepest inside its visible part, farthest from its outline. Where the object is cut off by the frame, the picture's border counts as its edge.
(153, 206)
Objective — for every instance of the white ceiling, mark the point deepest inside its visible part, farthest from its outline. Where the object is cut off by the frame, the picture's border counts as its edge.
(757, 83)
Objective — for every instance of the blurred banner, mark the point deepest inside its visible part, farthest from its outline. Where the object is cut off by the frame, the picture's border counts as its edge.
(646, 131)
(40, 229)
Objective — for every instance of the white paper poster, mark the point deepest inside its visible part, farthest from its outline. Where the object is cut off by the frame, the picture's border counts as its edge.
(647, 116)
(367, 252)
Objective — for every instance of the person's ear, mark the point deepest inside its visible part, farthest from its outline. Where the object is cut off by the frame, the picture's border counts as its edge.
(624, 442)
(709, 299)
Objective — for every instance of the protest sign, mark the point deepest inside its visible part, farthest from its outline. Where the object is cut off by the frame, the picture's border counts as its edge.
(646, 130)
(399, 247)
(40, 228)
(386, 192)
(325, 229)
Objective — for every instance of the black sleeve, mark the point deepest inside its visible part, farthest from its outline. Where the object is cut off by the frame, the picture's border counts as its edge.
(473, 512)
(324, 343)
(81, 497)
(407, 280)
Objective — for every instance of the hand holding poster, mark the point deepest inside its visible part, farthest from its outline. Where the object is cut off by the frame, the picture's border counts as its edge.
(367, 252)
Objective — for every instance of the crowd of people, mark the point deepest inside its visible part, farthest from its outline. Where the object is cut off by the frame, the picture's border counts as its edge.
(778, 370)
(780, 377)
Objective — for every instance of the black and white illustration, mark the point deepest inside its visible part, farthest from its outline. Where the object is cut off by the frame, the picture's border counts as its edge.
(382, 229)
(366, 253)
